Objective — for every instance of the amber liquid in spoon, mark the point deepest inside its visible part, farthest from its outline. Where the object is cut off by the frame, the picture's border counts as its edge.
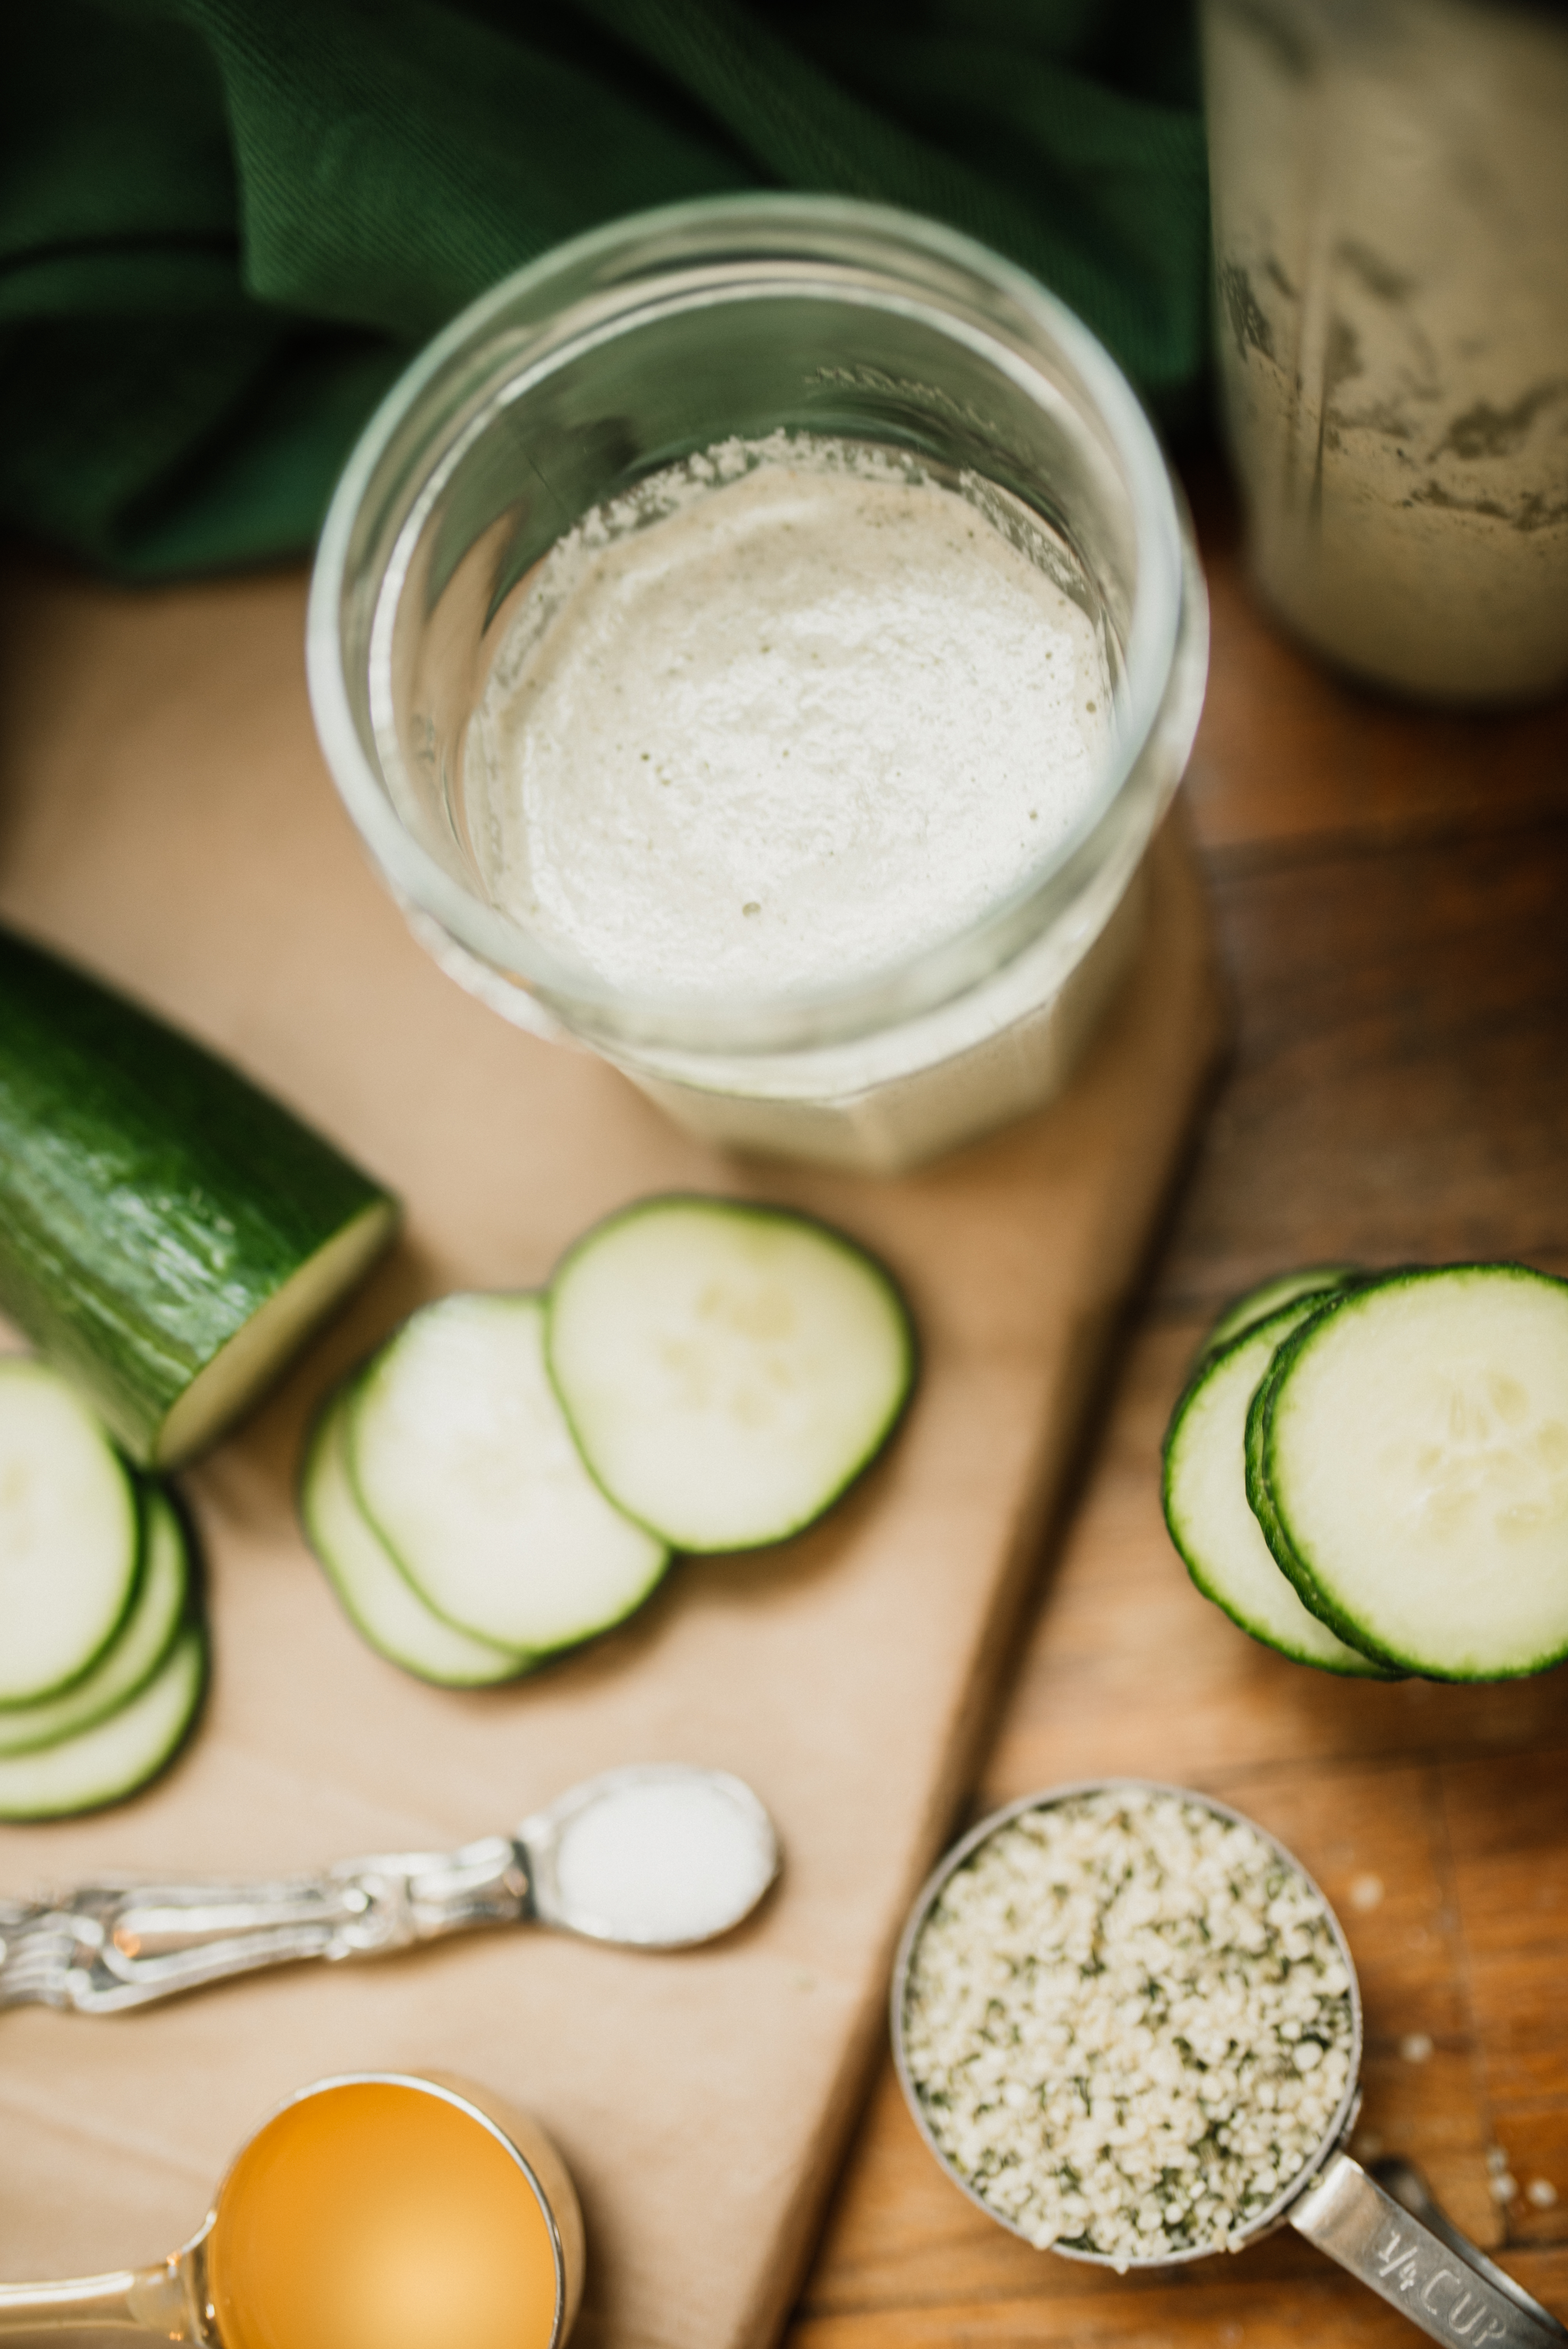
(372, 2215)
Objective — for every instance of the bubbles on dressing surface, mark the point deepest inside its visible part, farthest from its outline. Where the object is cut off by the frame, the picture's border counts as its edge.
(786, 727)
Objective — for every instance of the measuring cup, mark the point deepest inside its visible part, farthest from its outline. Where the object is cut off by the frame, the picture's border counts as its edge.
(377, 2211)
(1397, 2242)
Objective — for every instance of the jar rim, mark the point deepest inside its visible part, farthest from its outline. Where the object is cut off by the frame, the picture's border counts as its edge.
(416, 434)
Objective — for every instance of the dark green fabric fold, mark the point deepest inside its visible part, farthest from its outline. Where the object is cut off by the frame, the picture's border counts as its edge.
(224, 224)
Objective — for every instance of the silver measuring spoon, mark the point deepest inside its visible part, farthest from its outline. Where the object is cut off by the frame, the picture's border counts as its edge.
(314, 2234)
(1385, 2228)
(658, 1856)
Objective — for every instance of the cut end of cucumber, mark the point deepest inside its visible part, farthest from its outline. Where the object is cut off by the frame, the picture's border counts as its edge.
(241, 1372)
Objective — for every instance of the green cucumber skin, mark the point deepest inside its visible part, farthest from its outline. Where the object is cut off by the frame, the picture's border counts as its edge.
(1312, 1595)
(757, 1211)
(1268, 1296)
(531, 1662)
(336, 1401)
(1207, 1363)
(21, 1364)
(190, 1642)
(151, 1199)
(25, 1728)
(1260, 1497)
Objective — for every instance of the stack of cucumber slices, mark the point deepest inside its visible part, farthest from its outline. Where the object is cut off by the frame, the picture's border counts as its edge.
(102, 1658)
(1371, 1473)
(511, 1474)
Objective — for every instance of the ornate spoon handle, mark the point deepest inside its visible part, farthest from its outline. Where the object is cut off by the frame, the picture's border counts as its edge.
(118, 1944)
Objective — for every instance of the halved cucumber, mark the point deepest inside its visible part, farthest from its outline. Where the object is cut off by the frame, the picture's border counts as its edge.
(140, 1646)
(169, 1236)
(1205, 1498)
(1283, 1289)
(117, 1756)
(464, 1465)
(376, 1595)
(727, 1370)
(1411, 1454)
(69, 1535)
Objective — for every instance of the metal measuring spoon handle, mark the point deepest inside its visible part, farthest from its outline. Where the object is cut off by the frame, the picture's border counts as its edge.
(657, 1856)
(1413, 2255)
(163, 2301)
(121, 1943)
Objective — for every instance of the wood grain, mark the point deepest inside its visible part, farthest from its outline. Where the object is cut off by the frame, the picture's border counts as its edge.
(165, 817)
(1391, 890)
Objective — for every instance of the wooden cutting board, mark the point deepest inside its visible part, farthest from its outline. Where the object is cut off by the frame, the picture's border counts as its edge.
(165, 817)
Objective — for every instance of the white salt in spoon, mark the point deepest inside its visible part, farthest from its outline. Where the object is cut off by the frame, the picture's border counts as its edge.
(659, 1856)
(1397, 2242)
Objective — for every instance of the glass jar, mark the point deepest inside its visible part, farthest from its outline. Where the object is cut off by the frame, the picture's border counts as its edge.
(620, 355)
(1389, 182)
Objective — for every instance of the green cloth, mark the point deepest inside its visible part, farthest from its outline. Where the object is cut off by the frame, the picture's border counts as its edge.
(224, 224)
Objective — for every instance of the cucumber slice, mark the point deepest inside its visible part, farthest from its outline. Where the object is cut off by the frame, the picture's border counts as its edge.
(464, 1465)
(1312, 1280)
(1411, 1448)
(69, 1536)
(1205, 1499)
(169, 1234)
(140, 1646)
(117, 1756)
(1260, 1500)
(377, 1597)
(727, 1370)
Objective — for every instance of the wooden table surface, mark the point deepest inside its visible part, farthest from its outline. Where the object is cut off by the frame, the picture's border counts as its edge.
(1391, 890)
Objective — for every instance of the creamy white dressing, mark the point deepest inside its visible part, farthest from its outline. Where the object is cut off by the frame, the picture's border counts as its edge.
(807, 719)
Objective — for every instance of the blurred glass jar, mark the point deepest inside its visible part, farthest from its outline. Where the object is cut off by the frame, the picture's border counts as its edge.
(623, 353)
(1389, 183)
